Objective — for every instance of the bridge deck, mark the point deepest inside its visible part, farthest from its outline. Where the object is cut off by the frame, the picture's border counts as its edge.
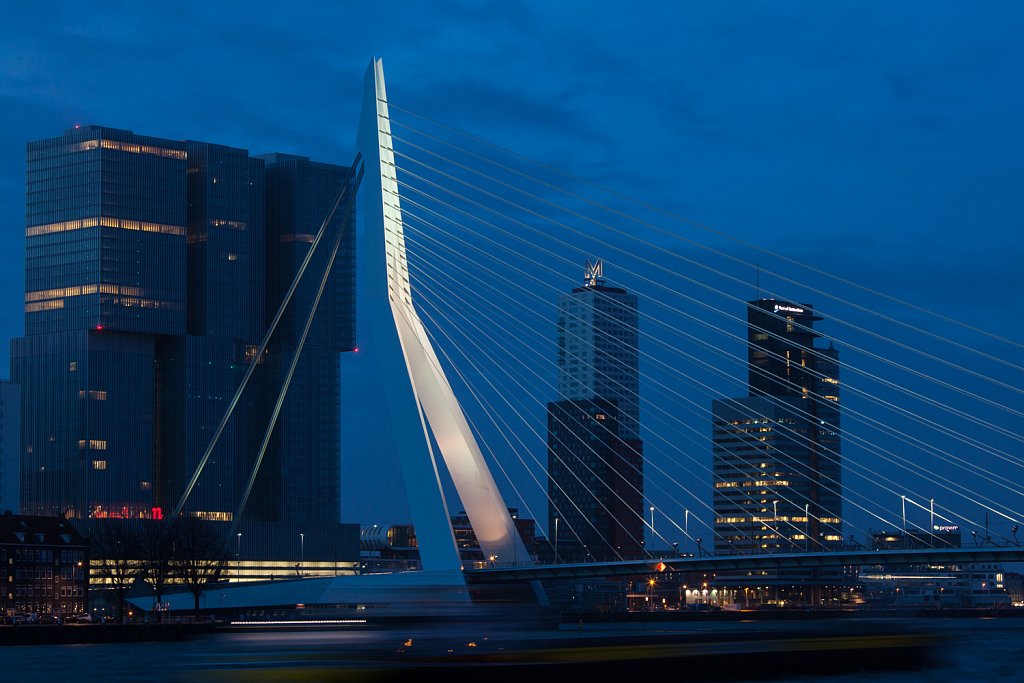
(779, 561)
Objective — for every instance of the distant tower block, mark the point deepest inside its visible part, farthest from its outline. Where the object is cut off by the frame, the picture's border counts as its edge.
(417, 390)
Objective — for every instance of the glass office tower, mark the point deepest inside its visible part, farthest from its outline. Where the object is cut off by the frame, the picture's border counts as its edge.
(104, 278)
(153, 269)
(595, 455)
(300, 480)
(776, 458)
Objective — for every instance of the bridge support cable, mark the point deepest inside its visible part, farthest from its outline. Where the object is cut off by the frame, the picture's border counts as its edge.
(530, 293)
(674, 292)
(701, 226)
(706, 389)
(356, 163)
(286, 384)
(569, 469)
(733, 359)
(953, 487)
(448, 294)
(516, 380)
(697, 263)
(914, 416)
(491, 413)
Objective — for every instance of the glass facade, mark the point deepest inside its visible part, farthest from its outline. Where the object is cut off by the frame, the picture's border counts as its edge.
(153, 268)
(300, 479)
(776, 455)
(595, 455)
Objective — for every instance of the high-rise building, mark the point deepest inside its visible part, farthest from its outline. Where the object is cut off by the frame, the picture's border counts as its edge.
(153, 267)
(776, 455)
(595, 454)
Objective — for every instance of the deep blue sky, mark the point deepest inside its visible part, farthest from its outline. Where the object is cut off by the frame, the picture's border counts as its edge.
(881, 141)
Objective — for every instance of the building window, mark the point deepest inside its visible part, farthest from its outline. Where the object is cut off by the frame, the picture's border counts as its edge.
(99, 464)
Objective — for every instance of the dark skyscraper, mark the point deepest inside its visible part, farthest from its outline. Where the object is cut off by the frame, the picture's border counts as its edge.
(595, 455)
(777, 471)
(105, 277)
(153, 268)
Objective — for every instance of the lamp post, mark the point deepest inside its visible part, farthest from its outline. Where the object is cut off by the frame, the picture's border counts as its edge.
(775, 522)
(807, 526)
(515, 546)
(556, 540)
(302, 551)
(238, 558)
(931, 508)
(652, 530)
(904, 529)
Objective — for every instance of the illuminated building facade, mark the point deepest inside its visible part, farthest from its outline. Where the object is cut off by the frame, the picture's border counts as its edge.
(595, 455)
(44, 566)
(105, 277)
(153, 267)
(776, 453)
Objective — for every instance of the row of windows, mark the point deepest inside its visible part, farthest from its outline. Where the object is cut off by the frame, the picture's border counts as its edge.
(130, 147)
(106, 222)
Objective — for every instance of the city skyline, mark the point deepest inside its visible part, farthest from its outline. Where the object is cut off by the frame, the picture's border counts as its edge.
(154, 267)
(898, 136)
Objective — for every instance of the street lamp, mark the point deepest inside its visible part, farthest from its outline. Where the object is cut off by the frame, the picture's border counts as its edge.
(775, 521)
(807, 525)
(556, 540)
(515, 546)
(904, 529)
(302, 551)
(652, 530)
(238, 558)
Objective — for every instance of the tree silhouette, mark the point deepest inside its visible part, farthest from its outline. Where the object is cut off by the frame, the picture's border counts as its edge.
(199, 555)
(157, 544)
(115, 553)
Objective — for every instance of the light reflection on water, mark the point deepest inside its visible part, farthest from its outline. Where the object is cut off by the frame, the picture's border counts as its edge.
(971, 649)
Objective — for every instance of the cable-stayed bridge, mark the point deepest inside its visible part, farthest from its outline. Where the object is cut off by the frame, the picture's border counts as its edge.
(468, 246)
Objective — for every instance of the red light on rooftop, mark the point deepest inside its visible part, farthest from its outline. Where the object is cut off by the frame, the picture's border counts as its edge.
(99, 327)
(355, 349)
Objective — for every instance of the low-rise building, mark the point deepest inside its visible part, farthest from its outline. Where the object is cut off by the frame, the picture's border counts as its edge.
(43, 566)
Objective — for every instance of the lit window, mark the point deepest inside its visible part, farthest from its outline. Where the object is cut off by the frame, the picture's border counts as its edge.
(73, 366)
(99, 464)
(232, 257)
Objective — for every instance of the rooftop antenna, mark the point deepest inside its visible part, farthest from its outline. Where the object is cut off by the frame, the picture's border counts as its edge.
(593, 273)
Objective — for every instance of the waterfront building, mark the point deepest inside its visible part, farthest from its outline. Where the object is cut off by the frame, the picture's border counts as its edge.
(43, 566)
(153, 267)
(776, 452)
(595, 454)
(10, 446)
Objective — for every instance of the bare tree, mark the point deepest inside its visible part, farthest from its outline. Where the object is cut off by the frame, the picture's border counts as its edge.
(156, 546)
(199, 557)
(114, 548)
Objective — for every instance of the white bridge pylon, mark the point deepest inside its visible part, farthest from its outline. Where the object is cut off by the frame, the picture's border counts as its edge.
(417, 391)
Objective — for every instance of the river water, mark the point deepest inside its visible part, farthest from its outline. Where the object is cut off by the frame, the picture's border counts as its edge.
(984, 650)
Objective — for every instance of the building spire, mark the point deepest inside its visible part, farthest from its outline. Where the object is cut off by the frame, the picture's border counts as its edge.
(593, 273)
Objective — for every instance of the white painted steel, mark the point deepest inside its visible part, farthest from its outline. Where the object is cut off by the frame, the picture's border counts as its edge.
(419, 387)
